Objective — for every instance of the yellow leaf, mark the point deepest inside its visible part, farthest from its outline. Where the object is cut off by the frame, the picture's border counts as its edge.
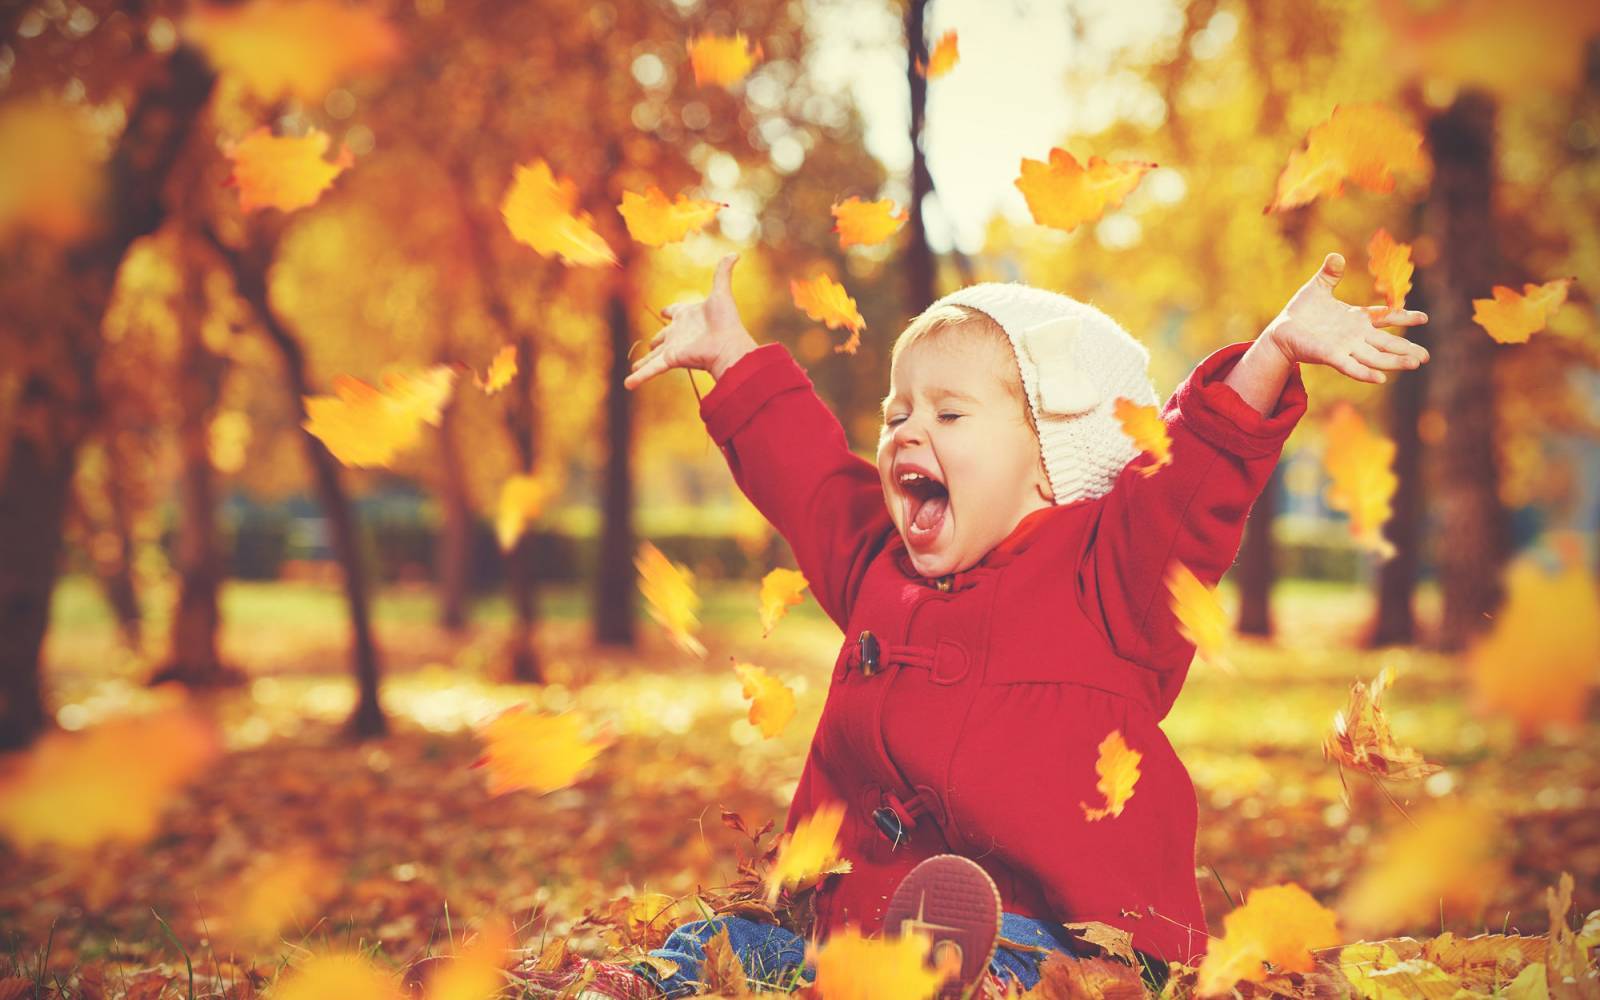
(475, 972)
(865, 222)
(283, 172)
(1361, 738)
(1389, 263)
(1201, 618)
(722, 61)
(1149, 433)
(946, 53)
(808, 851)
(1446, 859)
(345, 976)
(1064, 194)
(1118, 768)
(293, 48)
(1359, 463)
(521, 500)
(655, 221)
(541, 211)
(502, 369)
(1360, 143)
(852, 967)
(771, 701)
(277, 893)
(1511, 318)
(826, 301)
(668, 588)
(524, 749)
(51, 175)
(1569, 975)
(780, 589)
(1280, 924)
(110, 782)
(364, 426)
(1375, 972)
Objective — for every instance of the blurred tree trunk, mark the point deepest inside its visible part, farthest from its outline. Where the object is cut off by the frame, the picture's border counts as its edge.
(614, 585)
(1256, 572)
(522, 579)
(920, 266)
(57, 407)
(1458, 215)
(115, 569)
(452, 552)
(249, 269)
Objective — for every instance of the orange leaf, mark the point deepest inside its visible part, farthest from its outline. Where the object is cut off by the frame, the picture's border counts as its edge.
(809, 851)
(521, 500)
(502, 369)
(1360, 143)
(655, 221)
(673, 603)
(1118, 768)
(1201, 618)
(348, 977)
(771, 701)
(1149, 433)
(826, 301)
(1359, 462)
(852, 967)
(1389, 263)
(364, 426)
(780, 589)
(475, 972)
(863, 222)
(283, 172)
(541, 211)
(524, 749)
(946, 53)
(1511, 318)
(1064, 194)
(1446, 857)
(722, 61)
(1361, 738)
(1280, 924)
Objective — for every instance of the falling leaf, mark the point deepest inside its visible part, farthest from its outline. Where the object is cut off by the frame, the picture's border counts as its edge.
(668, 589)
(51, 175)
(521, 501)
(1149, 433)
(364, 426)
(1280, 924)
(541, 211)
(475, 972)
(808, 851)
(826, 301)
(1445, 858)
(533, 750)
(655, 221)
(946, 53)
(865, 222)
(1361, 739)
(780, 589)
(502, 369)
(1360, 464)
(1118, 768)
(771, 701)
(284, 172)
(1065, 194)
(1361, 143)
(110, 782)
(279, 892)
(1511, 318)
(1201, 619)
(345, 976)
(852, 967)
(721, 61)
(293, 48)
(1536, 664)
(1389, 263)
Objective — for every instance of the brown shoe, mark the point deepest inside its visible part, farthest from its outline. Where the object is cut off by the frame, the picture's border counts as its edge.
(954, 902)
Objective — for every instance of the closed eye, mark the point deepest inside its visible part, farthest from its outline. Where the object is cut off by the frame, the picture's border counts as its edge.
(948, 418)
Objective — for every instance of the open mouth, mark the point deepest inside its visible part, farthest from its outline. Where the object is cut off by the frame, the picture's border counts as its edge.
(927, 504)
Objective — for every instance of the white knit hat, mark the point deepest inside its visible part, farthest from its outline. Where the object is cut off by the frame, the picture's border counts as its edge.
(1075, 362)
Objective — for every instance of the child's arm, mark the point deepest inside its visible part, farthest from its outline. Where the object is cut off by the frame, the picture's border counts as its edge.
(1228, 422)
(786, 450)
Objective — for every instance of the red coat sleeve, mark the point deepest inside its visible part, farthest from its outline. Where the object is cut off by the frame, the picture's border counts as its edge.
(1192, 511)
(788, 454)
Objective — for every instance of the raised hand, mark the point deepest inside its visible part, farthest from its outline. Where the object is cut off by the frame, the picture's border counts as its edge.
(1319, 329)
(708, 334)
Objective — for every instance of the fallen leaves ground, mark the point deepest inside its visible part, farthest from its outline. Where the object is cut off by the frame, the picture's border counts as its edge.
(417, 847)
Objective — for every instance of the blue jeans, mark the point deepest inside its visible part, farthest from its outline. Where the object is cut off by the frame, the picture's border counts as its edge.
(775, 959)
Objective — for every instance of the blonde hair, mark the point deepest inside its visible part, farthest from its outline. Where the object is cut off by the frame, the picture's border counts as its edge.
(938, 323)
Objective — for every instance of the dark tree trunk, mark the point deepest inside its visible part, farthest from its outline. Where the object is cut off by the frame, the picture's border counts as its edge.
(614, 606)
(1255, 572)
(38, 471)
(1459, 217)
(453, 547)
(115, 572)
(250, 280)
(920, 277)
(522, 580)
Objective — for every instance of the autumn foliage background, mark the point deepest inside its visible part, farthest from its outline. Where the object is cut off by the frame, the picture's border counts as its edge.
(351, 611)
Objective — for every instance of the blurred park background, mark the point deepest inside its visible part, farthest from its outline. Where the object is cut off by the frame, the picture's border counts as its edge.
(174, 307)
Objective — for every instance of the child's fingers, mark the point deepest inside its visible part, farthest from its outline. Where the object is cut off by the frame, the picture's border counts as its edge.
(1382, 315)
(1379, 360)
(722, 283)
(649, 367)
(1416, 354)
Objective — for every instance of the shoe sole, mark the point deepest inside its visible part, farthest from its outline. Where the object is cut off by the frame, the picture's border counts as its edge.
(952, 900)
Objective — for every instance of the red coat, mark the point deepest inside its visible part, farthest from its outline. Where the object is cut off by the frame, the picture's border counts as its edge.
(994, 686)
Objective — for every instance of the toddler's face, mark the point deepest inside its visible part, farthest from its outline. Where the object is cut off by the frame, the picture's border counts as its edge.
(950, 417)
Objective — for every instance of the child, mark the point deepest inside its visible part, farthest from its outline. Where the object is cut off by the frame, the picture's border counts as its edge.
(999, 576)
